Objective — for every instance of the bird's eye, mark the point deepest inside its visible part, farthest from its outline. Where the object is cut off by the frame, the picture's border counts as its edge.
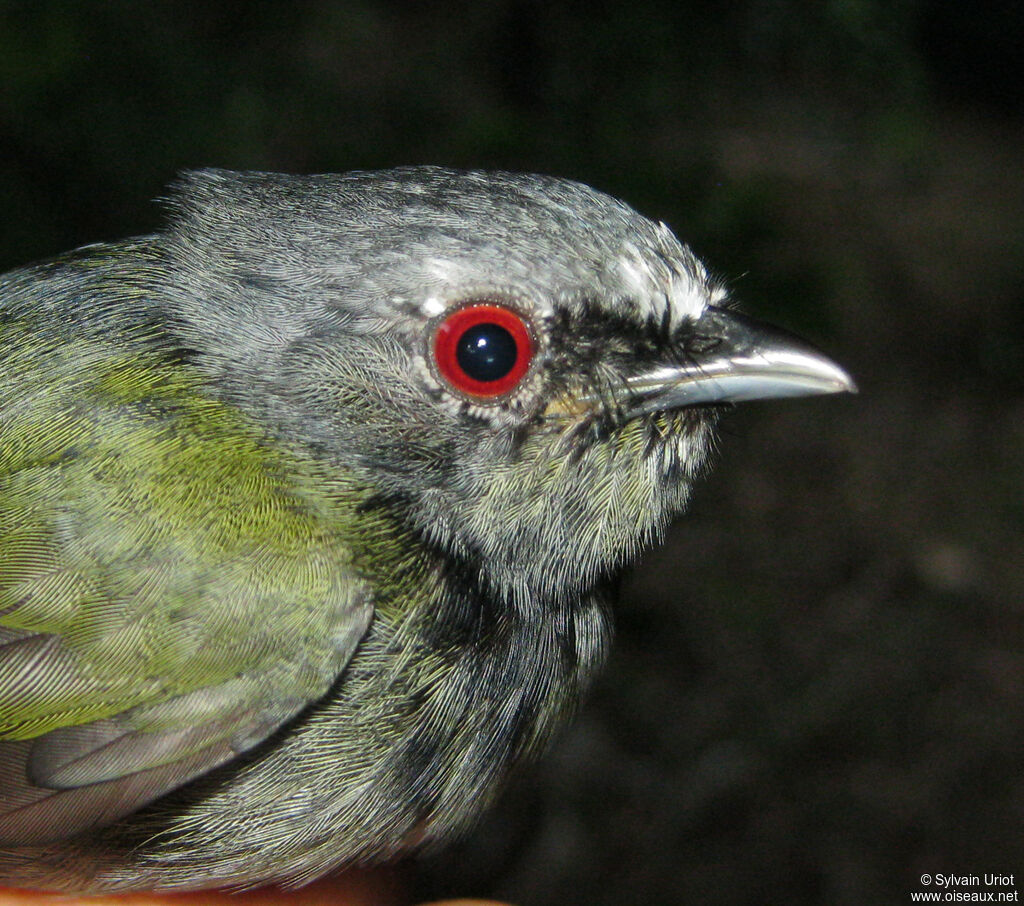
(483, 350)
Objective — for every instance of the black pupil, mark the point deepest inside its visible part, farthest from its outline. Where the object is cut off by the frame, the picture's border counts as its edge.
(486, 352)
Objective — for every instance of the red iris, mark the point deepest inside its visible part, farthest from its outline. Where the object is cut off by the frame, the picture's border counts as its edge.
(483, 350)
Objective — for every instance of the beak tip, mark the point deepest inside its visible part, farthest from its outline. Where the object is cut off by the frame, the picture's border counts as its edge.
(843, 382)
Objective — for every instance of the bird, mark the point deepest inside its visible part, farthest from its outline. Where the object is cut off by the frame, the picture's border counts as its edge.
(310, 502)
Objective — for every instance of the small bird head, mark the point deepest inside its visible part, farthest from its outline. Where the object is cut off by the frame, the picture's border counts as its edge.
(531, 367)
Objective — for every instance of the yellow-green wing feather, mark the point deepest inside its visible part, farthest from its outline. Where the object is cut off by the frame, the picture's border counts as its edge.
(173, 584)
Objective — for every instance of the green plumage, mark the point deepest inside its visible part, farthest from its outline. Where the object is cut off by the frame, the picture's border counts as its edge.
(141, 523)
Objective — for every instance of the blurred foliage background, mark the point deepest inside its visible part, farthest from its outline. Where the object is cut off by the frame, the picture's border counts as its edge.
(817, 690)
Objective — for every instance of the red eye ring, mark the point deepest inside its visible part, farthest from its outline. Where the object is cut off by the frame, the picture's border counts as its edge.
(483, 350)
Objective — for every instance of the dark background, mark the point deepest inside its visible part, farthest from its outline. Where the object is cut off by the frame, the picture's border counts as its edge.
(816, 695)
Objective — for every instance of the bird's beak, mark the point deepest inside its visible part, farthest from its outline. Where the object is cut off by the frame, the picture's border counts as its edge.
(738, 359)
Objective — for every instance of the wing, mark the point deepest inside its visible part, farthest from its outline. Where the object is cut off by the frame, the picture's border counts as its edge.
(173, 586)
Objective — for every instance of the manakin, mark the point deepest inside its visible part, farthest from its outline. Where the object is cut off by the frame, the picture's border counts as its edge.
(307, 502)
